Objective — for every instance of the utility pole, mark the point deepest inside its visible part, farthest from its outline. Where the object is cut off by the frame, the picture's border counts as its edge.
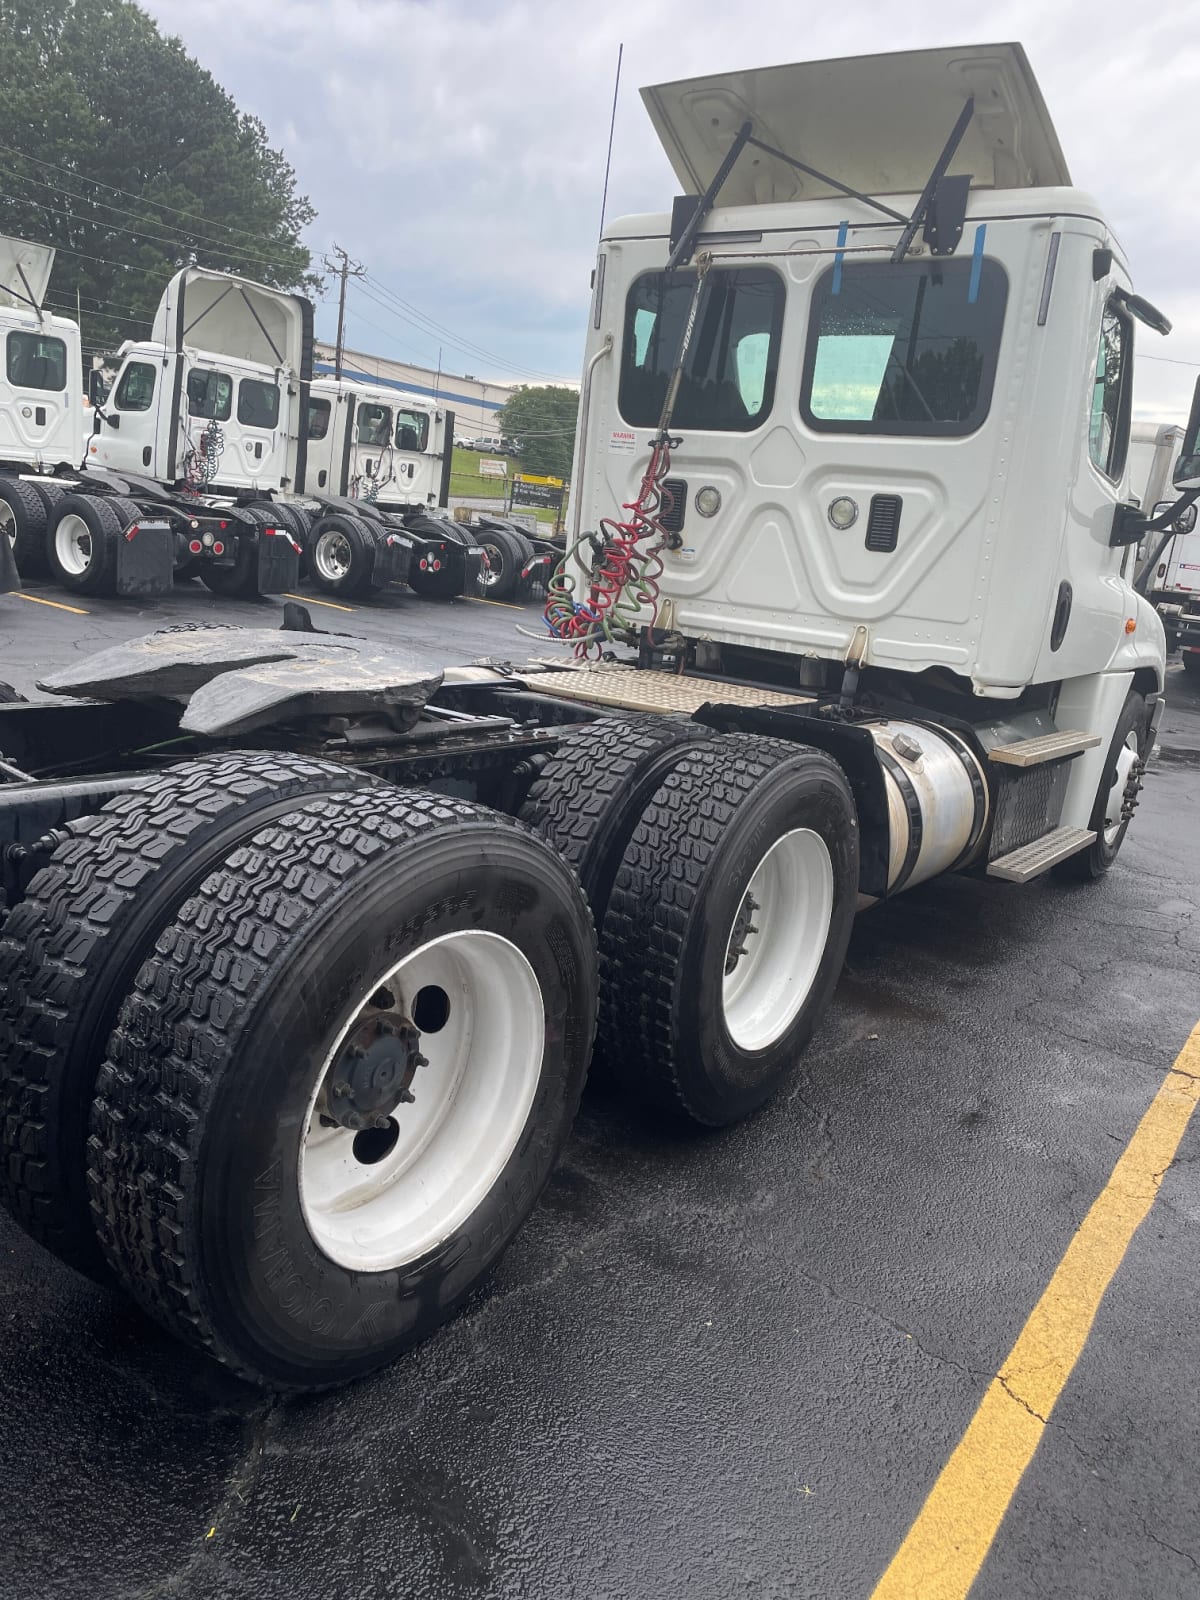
(347, 269)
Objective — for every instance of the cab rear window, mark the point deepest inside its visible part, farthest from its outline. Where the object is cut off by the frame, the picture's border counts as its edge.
(258, 403)
(907, 349)
(36, 361)
(728, 384)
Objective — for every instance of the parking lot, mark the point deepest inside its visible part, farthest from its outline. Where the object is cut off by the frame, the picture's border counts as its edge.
(710, 1366)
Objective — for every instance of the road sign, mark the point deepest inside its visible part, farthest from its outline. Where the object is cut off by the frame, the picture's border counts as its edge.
(530, 477)
(537, 492)
(493, 469)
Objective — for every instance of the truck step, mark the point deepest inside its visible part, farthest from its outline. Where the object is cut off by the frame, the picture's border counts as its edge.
(1046, 747)
(1018, 866)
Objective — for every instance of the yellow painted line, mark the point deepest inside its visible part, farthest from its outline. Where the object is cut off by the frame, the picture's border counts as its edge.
(36, 599)
(946, 1545)
(478, 600)
(310, 600)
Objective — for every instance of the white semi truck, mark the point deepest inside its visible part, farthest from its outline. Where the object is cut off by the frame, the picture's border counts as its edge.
(1169, 558)
(197, 462)
(294, 1017)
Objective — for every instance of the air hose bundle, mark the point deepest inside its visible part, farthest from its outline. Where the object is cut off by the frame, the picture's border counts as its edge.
(203, 458)
(626, 554)
(624, 577)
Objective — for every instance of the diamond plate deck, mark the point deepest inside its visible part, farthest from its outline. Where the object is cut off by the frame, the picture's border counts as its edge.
(630, 689)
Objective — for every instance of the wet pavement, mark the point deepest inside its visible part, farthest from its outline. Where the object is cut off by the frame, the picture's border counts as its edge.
(717, 1365)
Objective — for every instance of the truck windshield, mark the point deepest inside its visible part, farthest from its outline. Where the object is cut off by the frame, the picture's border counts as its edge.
(903, 349)
(374, 424)
(210, 394)
(412, 430)
(35, 361)
(729, 382)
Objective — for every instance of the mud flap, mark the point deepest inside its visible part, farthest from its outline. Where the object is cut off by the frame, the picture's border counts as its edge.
(10, 578)
(278, 561)
(145, 567)
(393, 553)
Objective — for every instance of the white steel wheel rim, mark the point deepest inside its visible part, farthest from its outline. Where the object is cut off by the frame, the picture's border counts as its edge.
(73, 545)
(8, 523)
(333, 557)
(1126, 756)
(781, 939)
(471, 1103)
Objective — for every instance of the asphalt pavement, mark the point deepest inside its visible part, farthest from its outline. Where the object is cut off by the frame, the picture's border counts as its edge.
(711, 1366)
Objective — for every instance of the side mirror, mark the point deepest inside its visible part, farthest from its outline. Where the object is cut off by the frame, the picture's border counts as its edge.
(1185, 522)
(97, 388)
(1187, 468)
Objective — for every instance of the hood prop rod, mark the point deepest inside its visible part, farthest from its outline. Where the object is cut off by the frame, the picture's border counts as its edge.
(935, 177)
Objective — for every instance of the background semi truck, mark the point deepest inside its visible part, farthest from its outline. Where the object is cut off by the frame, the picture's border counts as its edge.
(1169, 557)
(294, 1015)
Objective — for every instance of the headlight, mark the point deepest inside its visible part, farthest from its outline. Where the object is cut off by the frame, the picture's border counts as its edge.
(843, 512)
(708, 501)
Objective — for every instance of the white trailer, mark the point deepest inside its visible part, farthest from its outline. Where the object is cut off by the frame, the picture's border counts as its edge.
(850, 586)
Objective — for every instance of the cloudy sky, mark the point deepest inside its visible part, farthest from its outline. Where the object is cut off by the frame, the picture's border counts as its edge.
(456, 147)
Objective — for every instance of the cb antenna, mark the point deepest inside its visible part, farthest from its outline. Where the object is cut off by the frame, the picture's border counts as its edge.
(611, 126)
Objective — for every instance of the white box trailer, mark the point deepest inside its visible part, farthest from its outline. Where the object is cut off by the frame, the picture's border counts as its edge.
(850, 588)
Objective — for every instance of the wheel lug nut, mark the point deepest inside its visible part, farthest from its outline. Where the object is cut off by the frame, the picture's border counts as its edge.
(407, 1097)
(380, 1122)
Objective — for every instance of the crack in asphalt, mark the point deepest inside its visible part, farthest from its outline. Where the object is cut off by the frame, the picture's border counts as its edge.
(240, 1476)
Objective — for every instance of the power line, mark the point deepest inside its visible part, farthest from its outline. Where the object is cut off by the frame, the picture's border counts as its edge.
(468, 345)
(123, 211)
(129, 195)
(113, 227)
(429, 324)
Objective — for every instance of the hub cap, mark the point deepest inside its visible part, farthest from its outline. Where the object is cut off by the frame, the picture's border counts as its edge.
(73, 545)
(333, 557)
(442, 1101)
(778, 937)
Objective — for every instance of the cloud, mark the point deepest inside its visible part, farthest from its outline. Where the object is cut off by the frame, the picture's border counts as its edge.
(457, 146)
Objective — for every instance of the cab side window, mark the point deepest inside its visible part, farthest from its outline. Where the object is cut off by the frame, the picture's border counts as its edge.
(136, 388)
(1108, 424)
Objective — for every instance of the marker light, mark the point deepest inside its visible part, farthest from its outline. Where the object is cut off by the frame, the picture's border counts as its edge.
(708, 501)
(843, 512)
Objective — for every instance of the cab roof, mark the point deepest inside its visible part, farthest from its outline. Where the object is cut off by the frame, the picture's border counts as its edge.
(875, 123)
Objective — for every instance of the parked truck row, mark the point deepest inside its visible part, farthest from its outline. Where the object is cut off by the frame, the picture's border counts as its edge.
(294, 1016)
(216, 455)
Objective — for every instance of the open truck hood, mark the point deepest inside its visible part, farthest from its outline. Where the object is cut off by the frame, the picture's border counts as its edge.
(875, 123)
(217, 312)
(35, 261)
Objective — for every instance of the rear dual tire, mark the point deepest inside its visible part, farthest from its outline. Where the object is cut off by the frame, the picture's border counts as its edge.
(223, 1220)
(82, 538)
(249, 915)
(723, 874)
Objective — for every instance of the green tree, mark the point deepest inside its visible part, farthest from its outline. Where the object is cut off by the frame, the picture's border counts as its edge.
(120, 150)
(543, 420)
